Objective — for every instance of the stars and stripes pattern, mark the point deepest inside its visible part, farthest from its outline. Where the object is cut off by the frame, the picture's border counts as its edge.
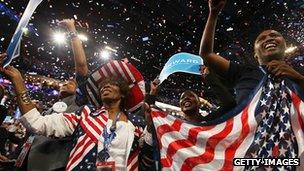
(88, 136)
(122, 70)
(274, 136)
(268, 125)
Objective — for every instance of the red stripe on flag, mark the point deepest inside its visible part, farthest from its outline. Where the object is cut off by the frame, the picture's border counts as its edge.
(85, 111)
(230, 151)
(69, 117)
(297, 101)
(72, 116)
(76, 118)
(211, 143)
(70, 120)
(116, 70)
(134, 166)
(102, 76)
(110, 74)
(104, 117)
(173, 147)
(134, 154)
(125, 71)
(80, 144)
(101, 120)
(162, 129)
(138, 131)
(91, 124)
(77, 157)
(138, 96)
(84, 127)
(156, 114)
(166, 162)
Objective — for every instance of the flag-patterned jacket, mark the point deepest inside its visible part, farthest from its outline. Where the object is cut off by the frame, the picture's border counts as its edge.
(86, 127)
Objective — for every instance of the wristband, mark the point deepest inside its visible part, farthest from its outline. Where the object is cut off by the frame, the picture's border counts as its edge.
(25, 97)
(72, 35)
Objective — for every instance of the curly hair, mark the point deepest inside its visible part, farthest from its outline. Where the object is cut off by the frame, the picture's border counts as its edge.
(123, 88)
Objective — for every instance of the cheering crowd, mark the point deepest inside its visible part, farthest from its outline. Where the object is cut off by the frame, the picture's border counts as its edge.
(101, 120)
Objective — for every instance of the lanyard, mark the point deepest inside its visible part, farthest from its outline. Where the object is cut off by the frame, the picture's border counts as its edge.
(103, 155)
(262, 68)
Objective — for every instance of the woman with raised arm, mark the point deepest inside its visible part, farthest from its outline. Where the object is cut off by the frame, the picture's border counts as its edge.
(104, 138)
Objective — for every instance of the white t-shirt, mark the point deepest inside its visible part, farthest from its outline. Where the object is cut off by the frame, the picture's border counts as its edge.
(118, 147)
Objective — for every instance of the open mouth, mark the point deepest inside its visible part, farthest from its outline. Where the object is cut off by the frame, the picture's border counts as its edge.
(270, 46)
(105, 91)
(187, 104)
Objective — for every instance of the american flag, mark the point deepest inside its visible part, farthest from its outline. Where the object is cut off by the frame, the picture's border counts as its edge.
(268, 125)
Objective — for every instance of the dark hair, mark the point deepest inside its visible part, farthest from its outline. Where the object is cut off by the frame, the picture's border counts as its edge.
(2, 91)
(3, 113)
(123, 87)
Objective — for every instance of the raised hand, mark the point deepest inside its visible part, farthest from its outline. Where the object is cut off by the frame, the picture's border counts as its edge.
(69, 24)
(204, 70)
(13, 73)
(10, 71)
(216, 5)
(154, 86)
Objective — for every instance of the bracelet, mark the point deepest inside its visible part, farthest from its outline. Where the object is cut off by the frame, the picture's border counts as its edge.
(72, 35)
(25, 97)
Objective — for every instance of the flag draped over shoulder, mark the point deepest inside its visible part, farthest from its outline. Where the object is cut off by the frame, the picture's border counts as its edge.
(268, 125)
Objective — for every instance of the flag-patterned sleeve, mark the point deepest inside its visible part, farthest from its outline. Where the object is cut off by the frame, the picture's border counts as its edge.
(54, 125)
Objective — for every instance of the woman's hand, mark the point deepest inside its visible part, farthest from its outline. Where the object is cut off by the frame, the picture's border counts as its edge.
(69, 24)
(216, 6)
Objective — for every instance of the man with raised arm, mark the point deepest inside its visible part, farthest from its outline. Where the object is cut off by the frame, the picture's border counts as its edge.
(276, 130)
(269, 50)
